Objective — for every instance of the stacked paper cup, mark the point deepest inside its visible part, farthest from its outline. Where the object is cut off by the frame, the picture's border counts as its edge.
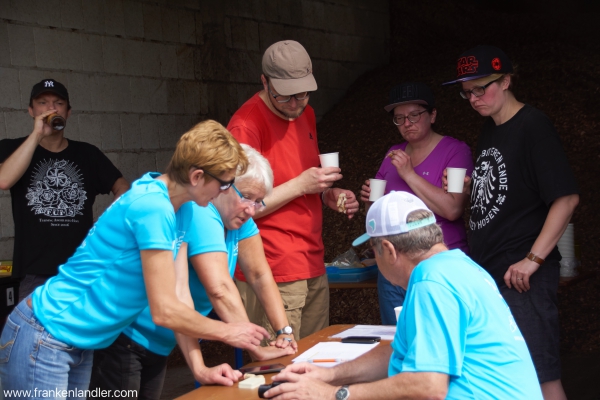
(566, 246)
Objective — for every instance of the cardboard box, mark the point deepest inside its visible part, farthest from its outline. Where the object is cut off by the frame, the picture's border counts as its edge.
(6, 267)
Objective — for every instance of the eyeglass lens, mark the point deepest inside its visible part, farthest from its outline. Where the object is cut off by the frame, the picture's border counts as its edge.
(477, 91)
(298, 96)
(258, 206)
(413, 117)
(284, 99)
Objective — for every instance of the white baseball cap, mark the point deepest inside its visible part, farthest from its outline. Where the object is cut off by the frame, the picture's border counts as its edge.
(387, 216)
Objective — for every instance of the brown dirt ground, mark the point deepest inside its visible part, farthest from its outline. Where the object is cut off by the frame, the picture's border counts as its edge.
(559, 73)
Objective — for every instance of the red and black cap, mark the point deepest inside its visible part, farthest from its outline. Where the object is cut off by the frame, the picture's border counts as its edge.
(49, 85)
(481, 61)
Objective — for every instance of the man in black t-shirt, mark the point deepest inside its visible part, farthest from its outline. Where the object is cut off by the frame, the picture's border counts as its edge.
(53, 183)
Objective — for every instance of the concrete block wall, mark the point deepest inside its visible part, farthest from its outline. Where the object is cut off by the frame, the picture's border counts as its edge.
(140, 73)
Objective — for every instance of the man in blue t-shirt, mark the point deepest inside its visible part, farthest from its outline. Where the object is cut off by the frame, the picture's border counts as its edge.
(455, 337)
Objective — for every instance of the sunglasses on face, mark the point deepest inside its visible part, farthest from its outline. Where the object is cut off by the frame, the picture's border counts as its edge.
(224, 184)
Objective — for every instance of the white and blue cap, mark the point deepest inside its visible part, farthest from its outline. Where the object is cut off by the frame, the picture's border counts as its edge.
(387, 216)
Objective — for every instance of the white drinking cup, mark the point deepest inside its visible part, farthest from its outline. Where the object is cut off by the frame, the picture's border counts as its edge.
(377, 189)
(456, 179)
(330, 160)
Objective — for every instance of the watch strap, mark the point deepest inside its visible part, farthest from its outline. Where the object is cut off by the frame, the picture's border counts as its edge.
(534, 258)
(283, 330)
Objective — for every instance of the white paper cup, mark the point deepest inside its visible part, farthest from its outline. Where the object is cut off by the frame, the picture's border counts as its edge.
(377, 189)
(397, 311)
(456, 179)
(330, 160)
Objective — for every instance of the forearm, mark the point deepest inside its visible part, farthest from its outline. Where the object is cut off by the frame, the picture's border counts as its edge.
(227, 303)
(178, 317)
(369, 367)
(407, 385)
(280, 196)
(254, 265)
(312, 180)
(268, 294)
(448, 205)
(190, 348)
(165, 287)
(17, 163)
(555, 225)
(213, 271)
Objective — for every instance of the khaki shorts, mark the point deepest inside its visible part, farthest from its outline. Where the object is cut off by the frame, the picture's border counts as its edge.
(306, 304)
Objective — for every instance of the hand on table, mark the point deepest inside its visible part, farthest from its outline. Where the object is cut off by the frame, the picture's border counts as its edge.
(220, 375)
(270, 352)
(245, 335)
(283, 341)
(302, 382)
(307, 369)
(518, 275)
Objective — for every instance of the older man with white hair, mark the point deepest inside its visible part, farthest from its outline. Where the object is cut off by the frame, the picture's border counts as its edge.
(455, 338)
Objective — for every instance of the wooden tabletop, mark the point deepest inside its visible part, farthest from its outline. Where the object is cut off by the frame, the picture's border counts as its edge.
(233, 392)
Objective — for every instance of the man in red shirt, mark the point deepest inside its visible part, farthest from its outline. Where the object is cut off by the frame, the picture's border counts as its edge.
(279, 123)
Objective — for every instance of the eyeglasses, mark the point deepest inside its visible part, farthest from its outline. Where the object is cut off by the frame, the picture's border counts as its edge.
(413, 117)
(477, 91)
(285, 99)
(258, 206)
(224, 184)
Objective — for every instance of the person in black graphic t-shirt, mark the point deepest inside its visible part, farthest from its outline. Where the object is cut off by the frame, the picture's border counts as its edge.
(523, 194)
(53, 183)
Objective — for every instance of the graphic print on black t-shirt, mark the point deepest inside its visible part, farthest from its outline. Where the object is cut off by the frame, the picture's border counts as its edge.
(56, 189)
(490, 184)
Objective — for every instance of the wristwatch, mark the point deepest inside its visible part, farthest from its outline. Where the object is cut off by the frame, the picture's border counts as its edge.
(286, 330)
(534, 258)
(343, 393)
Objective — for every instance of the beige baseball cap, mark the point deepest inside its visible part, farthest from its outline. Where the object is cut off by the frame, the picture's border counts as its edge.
(289, 68)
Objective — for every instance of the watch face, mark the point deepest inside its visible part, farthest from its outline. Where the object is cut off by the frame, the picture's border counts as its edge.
(342, 393)
(287, 330)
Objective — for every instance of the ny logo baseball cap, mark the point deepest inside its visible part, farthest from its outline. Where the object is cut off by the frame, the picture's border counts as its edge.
(49, 85)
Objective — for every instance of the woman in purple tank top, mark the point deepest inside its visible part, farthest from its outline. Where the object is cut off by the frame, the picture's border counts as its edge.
(417, 166)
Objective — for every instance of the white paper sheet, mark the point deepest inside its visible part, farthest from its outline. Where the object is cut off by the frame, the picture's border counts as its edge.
(340, 352)
(386, 332)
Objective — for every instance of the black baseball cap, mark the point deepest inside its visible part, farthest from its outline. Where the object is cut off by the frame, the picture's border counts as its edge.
(52, 86)
(481, 61)
(410, 92)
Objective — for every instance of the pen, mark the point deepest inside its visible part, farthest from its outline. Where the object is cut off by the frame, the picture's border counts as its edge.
(326, 360)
